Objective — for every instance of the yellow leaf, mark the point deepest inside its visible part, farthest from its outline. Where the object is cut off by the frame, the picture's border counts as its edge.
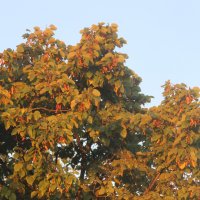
(30, 130)
(36, 28)
(193, 158)
(90, 119)
(117, 85)
(121, 59)
(53, 27)
(20, 49)
(71, 55)
(34, 193)
(4, 92)
(145, 120)
(92, 134)
(18, 166)
(37, 115)
(123, 133)
(99, 38)
(30, 179)
(101, 191)
(109, 55)
(23, 110)
(96, 93)
(73, 104)
(114, 27)
(87, 104)
(94, 27)
(193, 163)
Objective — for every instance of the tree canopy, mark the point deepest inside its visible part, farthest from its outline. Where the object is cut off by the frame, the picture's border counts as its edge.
(73, 124)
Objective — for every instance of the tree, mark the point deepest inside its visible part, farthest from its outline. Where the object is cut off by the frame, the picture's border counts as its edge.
(174, 144)
(72, 124)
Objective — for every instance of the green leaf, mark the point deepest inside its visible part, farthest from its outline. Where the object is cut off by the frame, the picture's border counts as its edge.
(12, 197)
(105, 141)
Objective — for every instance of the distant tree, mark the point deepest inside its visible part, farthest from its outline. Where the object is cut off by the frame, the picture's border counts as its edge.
(72, 124)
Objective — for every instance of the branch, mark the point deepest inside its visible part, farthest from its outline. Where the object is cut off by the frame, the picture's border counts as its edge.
(152, 183)
(83, 153)
(49, 110)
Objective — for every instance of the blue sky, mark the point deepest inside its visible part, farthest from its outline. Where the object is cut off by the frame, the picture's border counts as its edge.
(163, 35)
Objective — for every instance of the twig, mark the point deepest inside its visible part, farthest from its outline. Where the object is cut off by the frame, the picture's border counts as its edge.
(152, 183)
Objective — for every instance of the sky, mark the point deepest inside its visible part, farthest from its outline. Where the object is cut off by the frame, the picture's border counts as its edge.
(163, 35)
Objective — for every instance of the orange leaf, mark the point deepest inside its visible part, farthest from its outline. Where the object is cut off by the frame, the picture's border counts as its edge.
(12, 90)
(182, 165)
(58, 107)
(62, 140)
(189, 99)
(34, 159)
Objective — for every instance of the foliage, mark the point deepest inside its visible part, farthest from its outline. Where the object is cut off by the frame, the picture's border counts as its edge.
(175, 143)
(72, 124)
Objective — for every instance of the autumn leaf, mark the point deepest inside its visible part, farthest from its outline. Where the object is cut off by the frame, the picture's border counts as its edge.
(36, 115)
(182, 165)
(96, 93)
(71, 55)
(30, 179)
(73, 104)
(18, 166)
(123, 133)
(193, 158)
(20, 49)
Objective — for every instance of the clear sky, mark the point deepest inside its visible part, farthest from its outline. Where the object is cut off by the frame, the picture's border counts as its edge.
(163, 35)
